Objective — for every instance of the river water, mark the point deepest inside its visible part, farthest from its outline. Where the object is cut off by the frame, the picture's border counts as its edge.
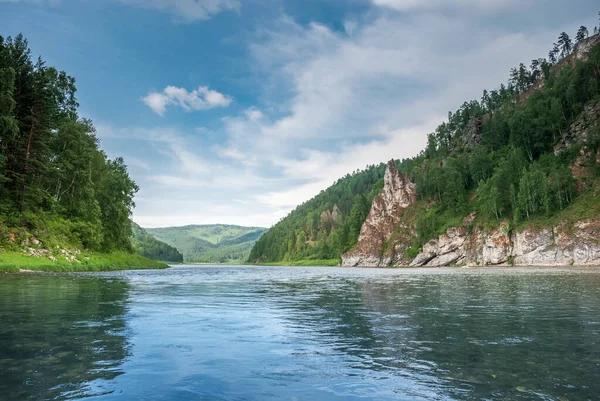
(292, 333)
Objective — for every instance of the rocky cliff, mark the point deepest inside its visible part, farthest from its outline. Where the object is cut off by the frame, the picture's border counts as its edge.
(560, 245)
(384, 217)
(465, 246)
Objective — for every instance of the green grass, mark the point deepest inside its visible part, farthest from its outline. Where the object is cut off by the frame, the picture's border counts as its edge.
(92, 261)
(321, 262)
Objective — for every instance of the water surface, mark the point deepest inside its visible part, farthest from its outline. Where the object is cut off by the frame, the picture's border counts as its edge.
(292, 333)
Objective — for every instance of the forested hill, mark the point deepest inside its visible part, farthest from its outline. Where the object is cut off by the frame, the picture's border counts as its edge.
(325, 226)
(218, 243)
(527, 152)
(148, 246)
(56, 184)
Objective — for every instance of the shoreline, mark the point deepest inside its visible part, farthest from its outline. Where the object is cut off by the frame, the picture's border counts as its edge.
(16, 262)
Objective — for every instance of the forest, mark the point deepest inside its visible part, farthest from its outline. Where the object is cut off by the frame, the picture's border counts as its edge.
(308, 234)
(146, 245)
(213, 243)
(498, 156)
(55, 182)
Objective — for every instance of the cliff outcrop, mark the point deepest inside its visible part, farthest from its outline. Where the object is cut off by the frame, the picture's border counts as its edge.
(383, 219)
(559, 245)
(577, 244)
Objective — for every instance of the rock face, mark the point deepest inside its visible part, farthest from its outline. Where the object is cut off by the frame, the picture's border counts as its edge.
(448, 249)
(397, 194)
(580, 130)
(330, 217)
(582, 50)
(471, 135)
(578, 245)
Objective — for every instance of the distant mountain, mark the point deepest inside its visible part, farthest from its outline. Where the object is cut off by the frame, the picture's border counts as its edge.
(217, 243)
(148, 246)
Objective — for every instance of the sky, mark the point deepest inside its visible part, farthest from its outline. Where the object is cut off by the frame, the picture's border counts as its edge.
(237, 111)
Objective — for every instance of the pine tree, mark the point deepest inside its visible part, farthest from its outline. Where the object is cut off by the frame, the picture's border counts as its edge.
(582, 33)
(565, 43)
(553, 54)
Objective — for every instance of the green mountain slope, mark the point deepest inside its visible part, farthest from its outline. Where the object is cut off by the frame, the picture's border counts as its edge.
(148, 246)
(313, 231)
(527, 152)
(218, 243)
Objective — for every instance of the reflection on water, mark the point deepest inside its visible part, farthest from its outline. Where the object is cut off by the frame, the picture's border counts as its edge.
(240, 333)
(59, 336)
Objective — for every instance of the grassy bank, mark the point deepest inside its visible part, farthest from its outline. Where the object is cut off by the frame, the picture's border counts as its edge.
(88, 261)
(322, 262)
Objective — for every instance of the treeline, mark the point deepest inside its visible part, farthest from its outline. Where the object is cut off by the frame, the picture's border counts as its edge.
(149, 247)
(308, 234)
(55, 182)
(232, 254)
(494, 156)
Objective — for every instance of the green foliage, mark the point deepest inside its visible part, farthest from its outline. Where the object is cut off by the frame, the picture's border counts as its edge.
(533, 197)
(149, 247)
(55, 182)
(412, 252)
(216, 243)
(316, 262)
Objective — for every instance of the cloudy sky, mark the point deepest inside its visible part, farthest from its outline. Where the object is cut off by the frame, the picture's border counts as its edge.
(236, 111)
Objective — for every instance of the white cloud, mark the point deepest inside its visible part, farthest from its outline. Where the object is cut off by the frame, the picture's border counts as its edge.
(365, 98)
(350, 27)
(253, 114)
(188, 10)
(342, 100)
(202, 98)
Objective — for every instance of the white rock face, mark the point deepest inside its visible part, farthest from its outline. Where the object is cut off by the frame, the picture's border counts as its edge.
(535, 248)
(448, 249)
(582, 50)
(497, 248)
(579, 245)
(397, 194)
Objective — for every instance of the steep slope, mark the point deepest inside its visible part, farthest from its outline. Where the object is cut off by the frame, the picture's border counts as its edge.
(512, 178)
(397, 194)
(217, 243)
(146, 245)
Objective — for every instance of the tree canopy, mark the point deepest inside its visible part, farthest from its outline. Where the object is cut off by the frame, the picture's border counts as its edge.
(54, 179)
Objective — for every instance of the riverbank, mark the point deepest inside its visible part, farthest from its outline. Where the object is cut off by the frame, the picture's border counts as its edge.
(320, 262)
(85, 261)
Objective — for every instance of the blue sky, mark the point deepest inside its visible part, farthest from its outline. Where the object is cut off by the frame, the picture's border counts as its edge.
(236, 111)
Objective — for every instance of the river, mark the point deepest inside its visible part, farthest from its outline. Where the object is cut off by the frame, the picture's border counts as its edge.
(293, 333)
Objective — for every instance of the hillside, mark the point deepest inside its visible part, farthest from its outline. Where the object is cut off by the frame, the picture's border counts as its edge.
(325, 226)
(217, 243)
(503, 177)
(148, 246)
